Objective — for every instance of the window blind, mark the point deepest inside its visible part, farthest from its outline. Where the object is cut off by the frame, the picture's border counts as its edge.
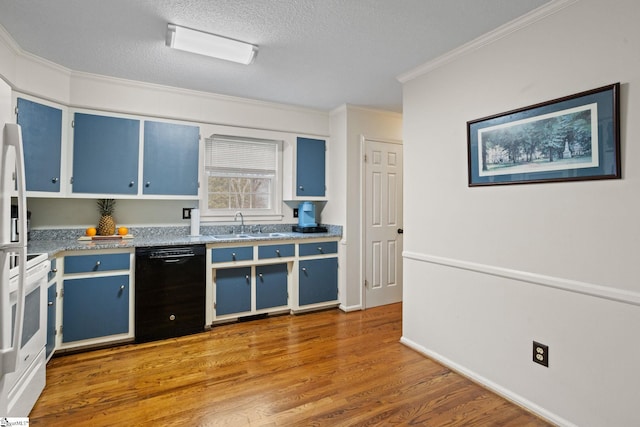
(232, 154)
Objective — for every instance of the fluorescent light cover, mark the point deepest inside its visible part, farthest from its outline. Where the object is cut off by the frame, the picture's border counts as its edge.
(210, 45)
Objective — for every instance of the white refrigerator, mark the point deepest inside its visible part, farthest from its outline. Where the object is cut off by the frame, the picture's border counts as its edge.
(22, 287)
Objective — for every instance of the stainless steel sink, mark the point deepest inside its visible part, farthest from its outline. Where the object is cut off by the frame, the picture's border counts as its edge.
(249, 236)
(232, 236)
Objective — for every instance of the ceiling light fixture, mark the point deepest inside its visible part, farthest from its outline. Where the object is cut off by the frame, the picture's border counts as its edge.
(210, 45)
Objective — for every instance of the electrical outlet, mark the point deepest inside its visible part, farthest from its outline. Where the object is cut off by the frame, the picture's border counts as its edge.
(295, 212)
(186, 213)
(541, 354)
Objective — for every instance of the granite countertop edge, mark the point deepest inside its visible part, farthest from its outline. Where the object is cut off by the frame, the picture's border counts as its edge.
(61, 240)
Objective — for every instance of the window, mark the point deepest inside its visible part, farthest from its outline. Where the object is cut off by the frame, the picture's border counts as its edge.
(243, 174)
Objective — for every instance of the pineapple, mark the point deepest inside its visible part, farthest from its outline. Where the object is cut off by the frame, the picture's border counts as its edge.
(107, 225)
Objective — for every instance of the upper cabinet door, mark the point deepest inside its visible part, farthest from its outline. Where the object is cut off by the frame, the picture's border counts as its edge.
(310, 167)
(170, 159)
(105, 154)
(42, 139)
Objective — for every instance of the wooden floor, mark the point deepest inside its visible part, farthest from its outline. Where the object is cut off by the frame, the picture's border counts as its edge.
(320, 369)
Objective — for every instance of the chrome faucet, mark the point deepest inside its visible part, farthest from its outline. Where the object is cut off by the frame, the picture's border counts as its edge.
(241, 221)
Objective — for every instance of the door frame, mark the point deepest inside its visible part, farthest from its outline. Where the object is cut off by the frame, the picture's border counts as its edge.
(363, 228)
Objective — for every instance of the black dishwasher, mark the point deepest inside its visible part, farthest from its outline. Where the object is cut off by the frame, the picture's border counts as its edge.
(170, 291)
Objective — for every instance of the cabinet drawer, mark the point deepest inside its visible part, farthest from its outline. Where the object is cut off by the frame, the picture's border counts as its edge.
(96, 262)
(318, 248)
(276, 251)
(53, 270)
(236, 253)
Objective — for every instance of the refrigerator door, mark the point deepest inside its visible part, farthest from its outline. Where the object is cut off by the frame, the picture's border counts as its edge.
(12, 186)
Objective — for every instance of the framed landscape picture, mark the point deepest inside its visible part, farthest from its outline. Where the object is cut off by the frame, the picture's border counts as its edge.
(567, 139)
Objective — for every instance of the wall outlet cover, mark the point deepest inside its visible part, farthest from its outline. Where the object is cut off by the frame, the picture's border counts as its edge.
(541, 354)
(186, 213)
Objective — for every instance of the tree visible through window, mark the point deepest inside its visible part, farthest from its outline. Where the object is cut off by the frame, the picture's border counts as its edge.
(242, 174)
(229, 192)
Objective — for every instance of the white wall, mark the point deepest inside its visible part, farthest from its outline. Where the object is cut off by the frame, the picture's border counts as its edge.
(349, 123)
(490, 269)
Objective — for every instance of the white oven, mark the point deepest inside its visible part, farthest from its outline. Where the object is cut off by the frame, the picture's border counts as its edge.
(21, 388)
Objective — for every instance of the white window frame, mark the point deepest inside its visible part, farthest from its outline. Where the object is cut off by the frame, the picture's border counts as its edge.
(275, 213)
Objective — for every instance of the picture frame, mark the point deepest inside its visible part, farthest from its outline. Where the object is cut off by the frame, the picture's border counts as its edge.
(573, 138)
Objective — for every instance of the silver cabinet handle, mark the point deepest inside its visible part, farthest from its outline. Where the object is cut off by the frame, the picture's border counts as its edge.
(132, 183)
(148, 184)
(50, 303)
(233, 256)
(248, 278)
(304, 269)
(54, 270)
(320, 249)
(97, 263)
(172, 317)
(122, 287)
(261, 278)
(54, 180)
(301, 187)
(278, 252)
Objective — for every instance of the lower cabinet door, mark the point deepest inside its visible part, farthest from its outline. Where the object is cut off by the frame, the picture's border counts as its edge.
(271, 286)
(51, 319)
(233, 290)
(317, 281)
(95, 307)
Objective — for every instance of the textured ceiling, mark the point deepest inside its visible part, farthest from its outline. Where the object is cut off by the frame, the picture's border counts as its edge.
(313, 53)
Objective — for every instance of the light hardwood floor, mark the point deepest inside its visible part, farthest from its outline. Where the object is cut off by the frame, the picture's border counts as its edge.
(320, 369)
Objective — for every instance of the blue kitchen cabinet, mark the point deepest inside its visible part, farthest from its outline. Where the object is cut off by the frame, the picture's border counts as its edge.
(318, 248)
(105, 154)
(170, 161)
(42, 141)
(233, 290)
(51, 320)
(231, 254)
(96, 262)
(310, 167)
(279, 250)
(271, 286)
(52, 307)
(95, 307)
(317, 281)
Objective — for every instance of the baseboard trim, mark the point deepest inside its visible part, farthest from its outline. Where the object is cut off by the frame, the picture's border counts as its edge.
(490, 385)
(599, 291)
(349, 308)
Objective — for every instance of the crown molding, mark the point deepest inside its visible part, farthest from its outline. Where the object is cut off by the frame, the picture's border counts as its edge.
(81, 75)
(19, 52)
(190, 92)
(491, 37)
(345, 108)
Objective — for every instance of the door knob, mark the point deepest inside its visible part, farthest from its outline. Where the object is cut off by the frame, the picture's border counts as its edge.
(400, 231)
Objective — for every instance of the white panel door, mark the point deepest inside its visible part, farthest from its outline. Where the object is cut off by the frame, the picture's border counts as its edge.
(383, 223)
